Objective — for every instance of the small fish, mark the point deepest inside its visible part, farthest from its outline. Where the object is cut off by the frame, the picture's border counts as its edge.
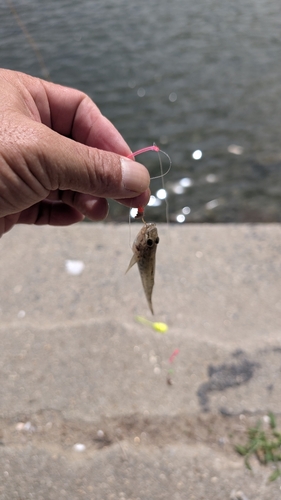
(144, 251)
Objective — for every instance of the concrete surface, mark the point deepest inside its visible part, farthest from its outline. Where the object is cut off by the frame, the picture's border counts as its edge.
(77, 368)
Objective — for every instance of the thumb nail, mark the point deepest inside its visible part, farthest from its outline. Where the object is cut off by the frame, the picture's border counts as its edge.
(135, 176)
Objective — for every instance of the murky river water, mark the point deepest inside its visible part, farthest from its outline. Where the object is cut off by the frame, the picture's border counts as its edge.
(193, 77)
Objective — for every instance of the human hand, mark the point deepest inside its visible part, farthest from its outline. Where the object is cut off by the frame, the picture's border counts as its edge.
(60, 158)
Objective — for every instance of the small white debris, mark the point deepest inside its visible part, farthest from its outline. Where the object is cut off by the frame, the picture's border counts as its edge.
(79, 447)
(100, 434)
(20, 426)
(21, 314)
(74, 267)
(266, 419)
(27, 426)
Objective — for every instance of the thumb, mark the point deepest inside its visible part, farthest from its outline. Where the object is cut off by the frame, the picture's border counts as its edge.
(74, 166)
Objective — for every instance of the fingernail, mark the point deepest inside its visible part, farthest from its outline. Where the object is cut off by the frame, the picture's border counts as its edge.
(135, 176)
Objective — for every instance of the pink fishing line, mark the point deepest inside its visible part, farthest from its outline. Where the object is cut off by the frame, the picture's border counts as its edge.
(144, 150)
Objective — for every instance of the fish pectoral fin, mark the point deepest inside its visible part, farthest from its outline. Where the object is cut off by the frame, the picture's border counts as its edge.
(133, 261)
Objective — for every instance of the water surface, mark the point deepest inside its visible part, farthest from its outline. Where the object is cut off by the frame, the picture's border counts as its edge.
(189, 76)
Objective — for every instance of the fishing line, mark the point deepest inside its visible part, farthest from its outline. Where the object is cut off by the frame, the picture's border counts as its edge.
(30, 40)
(154, 147)
(162, 180)
(157, 150)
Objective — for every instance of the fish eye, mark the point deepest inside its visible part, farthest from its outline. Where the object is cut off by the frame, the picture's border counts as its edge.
(157, 240)
(149, 242)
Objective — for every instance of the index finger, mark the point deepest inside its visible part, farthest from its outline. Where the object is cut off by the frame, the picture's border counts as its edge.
(73, 114)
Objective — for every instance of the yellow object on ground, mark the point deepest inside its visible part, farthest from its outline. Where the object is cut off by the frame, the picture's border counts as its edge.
(156, 325)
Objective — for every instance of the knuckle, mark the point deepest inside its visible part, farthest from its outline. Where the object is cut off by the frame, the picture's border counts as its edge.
(106, 175)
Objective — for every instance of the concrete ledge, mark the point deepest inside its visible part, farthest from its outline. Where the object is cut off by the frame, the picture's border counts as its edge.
(74, 362)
